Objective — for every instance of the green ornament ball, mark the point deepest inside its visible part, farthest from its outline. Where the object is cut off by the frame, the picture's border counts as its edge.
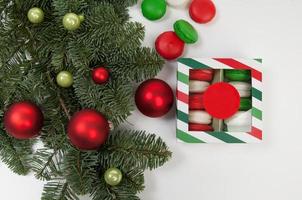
(65, 79)
(154, 9)
(71, 21)
(185, 31)
(113, 176)
(237, 75)
(35, 15)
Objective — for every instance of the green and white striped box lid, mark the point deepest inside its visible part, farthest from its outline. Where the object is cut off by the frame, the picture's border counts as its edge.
(184, 135)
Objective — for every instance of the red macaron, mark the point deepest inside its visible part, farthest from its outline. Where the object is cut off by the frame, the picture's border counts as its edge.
(201, 74)
(200, 127)
(169, 46)
(195, 101)
(202, 11)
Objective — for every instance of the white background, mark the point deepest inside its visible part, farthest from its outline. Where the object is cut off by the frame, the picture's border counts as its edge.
(271, 29)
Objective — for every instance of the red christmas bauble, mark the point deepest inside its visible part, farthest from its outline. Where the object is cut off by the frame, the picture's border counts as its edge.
(88, 129)
(23, 120)
(100, 75)
(169, 45)
(202, 11)
(154, 98)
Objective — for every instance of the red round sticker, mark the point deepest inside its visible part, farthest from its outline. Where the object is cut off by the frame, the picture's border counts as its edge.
(221, 100)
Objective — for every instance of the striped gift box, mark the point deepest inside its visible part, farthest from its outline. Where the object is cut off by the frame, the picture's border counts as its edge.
(183, 133)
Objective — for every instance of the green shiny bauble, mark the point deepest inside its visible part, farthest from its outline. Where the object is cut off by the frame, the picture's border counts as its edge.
(237, 75)
(71, 21)
(35, 15)
(154, 9)
(245, 104)
(185, 31)
(113, 176)
(65, 79)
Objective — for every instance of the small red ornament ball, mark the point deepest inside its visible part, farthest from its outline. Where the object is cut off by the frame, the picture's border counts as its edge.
(23, 120)
(100, 75)
(202, 11)
(88, 129)
(154, 98)
(169, 45)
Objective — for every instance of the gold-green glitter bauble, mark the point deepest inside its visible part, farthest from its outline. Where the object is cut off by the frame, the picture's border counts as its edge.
(71, 21)
(113, 176)
(65, 79)
(35, 15)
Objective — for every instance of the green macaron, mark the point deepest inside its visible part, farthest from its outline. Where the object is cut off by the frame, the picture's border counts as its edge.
(245, 104)
(238, 75)
(154, 9)
(185, 31)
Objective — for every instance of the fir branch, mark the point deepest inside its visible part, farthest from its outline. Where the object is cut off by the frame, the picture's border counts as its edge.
(46, 164)
(15, 153)
(135, 148)
(80, 170)
(58, 190)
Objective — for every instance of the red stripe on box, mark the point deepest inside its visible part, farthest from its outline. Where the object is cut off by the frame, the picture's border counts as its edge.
(238, 65)
(256, 133)
(182, 97)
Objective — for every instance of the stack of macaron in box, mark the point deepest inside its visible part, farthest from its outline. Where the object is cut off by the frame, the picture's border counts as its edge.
(199, 119)
(241, 80)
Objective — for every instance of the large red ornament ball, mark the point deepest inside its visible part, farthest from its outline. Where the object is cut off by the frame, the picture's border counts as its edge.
(202, 11)
(169, 45)
(154, 98)
(23, 120)
(100, 75)
(88, 129)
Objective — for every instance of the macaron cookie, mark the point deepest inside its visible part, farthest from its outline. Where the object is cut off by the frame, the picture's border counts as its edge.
(240, 122)
(202, 11)
(185, 31)
(154, 9)
(245, 104)
(169, 46)
(195, 101)
(199, 117)
(200, 127)
(201, 74)
(198, 86)
(237, 75)
(243, 88)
